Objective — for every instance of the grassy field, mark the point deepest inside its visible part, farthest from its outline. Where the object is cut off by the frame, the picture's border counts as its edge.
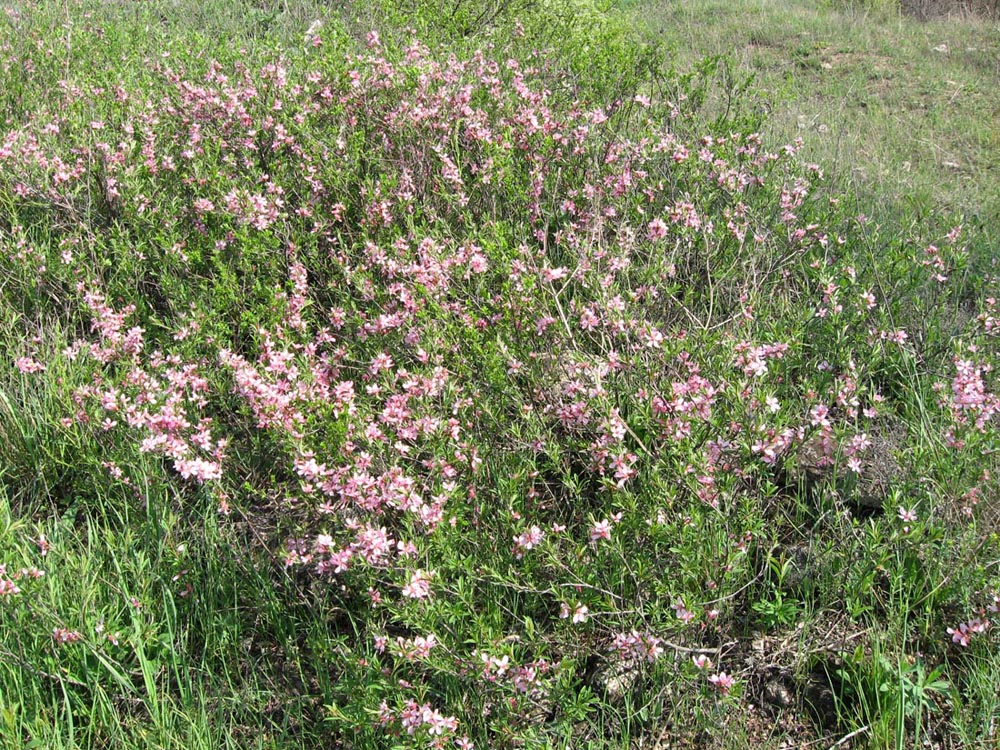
(498, 374)
(902, 112)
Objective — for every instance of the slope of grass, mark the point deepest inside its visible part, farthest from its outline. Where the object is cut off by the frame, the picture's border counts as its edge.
(900, 111)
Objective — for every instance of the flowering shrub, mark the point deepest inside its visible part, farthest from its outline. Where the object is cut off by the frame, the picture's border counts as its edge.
(521, 378)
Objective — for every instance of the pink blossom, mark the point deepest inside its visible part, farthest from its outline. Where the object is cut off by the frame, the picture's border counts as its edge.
(960, 635)
(553, 274)
(8, 588)
(702, 662)
(494, 666)
(722, 681)
(196, 468)
(28, 366)
(897, 337)
(657, 229)
(419, 586)
(600, 530)
(818, 416)
(527, 540)
(682, 612)
(964, 633)
(63, 635)
(636, 645)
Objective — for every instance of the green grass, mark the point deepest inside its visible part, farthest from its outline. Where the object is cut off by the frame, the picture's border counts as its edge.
(901, 112)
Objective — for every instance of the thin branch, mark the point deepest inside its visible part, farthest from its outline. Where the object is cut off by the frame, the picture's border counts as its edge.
(849, 736)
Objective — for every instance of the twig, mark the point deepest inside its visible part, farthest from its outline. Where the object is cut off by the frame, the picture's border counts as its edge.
(40, 673)
(849, 736)
(686, 650)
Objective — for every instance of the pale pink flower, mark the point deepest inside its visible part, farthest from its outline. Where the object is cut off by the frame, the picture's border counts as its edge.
(197, 468)
(554, 274)
(817, 416)
(722, 681)
(28, 366)
(657, 229)
(63, 635)
(682, 612)
(960, 635)
(527, 540)
(600, 530)
(701, 661)
(419, 586)
(8, 587)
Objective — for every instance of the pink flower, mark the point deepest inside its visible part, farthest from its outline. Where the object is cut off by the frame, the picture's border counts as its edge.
(657, 229)
(963, 634)
(196, 468)
(527, 540)
(817, 416)
(635, 645)
(722, 681)
(580, 614)
(494, 666)
(8, 587)
(419, 586)
(600, 530)
(860, 443)
(554, 274)
(28, 366)
(62, 635)
(701, 661)
(960, 635)
(683, 613)
(906, 515)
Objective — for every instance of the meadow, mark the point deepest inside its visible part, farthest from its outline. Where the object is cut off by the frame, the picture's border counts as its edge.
(498, 374)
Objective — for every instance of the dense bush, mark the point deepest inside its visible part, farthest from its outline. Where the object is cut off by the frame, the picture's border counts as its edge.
(518, 376)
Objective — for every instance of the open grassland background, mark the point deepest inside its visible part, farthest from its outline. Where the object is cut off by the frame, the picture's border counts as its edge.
(902, 111)
(500, 374)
